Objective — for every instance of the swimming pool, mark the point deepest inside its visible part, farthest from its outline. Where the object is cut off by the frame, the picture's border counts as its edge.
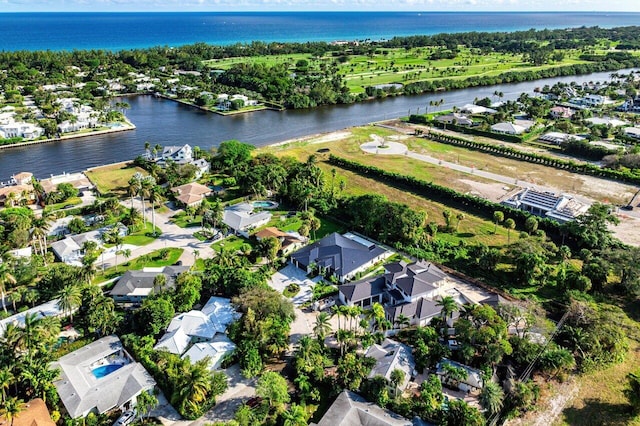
(265, 204)
(105, 370)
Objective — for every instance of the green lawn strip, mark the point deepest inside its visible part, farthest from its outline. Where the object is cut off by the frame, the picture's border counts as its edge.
(183, 221)
(231, 243)
(151, 260)
(114, 178)
(143, 236)
(73, 201)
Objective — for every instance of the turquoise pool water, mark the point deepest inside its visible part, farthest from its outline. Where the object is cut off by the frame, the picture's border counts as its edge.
(105, 370)
(265, 204)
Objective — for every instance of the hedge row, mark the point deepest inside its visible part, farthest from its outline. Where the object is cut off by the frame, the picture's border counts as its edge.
(626, 176)
(448, 196)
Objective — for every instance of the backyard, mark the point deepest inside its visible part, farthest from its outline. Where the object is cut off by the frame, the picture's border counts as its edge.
(114, 178)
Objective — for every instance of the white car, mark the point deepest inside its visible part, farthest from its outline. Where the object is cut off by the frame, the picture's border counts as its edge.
(126, 418)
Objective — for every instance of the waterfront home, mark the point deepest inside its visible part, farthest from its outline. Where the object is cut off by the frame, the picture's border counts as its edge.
(176, 153)
(477, 109)
(20, 130)
(99, 377)
(134, 287)
(22, 178)
(472, 383)
(341, 256)
(35, 413)
(350, 409)
(391, 355)
(561, 208)
(13, 195)
(191, 194)
(203, 326)
(508, 128)
(241, 218)
(455, 118)
(78, 180)
(289, 241)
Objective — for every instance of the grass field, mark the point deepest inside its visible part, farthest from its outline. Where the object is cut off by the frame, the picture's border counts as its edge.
(151, 260)
(113, 179)
(143, 236)
(403, 66)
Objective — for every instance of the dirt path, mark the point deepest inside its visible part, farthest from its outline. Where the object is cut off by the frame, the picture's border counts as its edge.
(550, 410)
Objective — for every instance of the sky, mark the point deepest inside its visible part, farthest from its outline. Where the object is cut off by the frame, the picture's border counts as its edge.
(316, 5)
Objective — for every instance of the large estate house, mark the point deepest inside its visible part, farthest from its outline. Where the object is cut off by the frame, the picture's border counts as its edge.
(181, 155)
(134, 287)
(342, 256)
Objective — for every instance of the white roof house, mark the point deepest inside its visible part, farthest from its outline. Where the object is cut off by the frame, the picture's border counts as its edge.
(508, 128)
(391, 355)
(477, 109)
(606, 121)
(99, 377)
(633, 132)
(198, 326)
(49, 309)
(216, 351)
(240, 217)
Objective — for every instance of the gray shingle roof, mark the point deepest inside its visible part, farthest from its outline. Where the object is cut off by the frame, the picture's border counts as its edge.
(132, 280)
(391, 355)
(350, 409)
(420, 309)
(363, 289)
(338, 253)
(81, 391)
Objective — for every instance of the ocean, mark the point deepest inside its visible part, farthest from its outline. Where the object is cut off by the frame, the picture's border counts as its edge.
(118, 31)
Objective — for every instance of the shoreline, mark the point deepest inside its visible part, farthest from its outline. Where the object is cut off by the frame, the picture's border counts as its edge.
(126, 127)
(224, 114)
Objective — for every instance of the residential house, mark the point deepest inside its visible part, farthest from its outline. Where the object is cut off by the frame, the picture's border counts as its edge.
(99, 377)
(78, 180)
(191, 194)
(134, 287)
(350, 409)
(22, 178)
(241, 218)
(455, 118)
(606, 121)
(632, 132)
(17, 194)
(289, 241)
(20, 130)
(35, 413)
(182, 155)
(560, 112)
(70, 249)
(391, 355)
(363, 293)
(476, 109)
(472, 383)
(48, 309)
(198, 334)
(508, 128)
(342, 256)
(559, 138)
(561, 208)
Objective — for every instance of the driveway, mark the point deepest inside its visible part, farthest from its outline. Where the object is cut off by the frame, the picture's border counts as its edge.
(292, 275)
(239, 391)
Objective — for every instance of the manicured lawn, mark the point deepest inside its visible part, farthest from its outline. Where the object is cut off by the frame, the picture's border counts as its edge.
(184, 221)
(113, 179)
(153, 259)
(73, 201)
(143, 236)
(231, 243)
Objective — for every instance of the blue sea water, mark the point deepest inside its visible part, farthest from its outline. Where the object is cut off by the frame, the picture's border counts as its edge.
(116, 31)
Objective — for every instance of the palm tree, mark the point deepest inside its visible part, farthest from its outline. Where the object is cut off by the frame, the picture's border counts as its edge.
(69, 298)
(448, 305)
(5, 278)
(498, 217)
(155, 196)
(322, 327)
(396, 377)
(403, 321)
(11, 408)
(509, 224)
(145, 402)
(491, 397)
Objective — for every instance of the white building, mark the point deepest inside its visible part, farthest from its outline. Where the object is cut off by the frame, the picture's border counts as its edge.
(20, 130)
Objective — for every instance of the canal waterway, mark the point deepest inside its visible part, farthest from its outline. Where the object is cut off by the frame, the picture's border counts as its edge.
(166, 122)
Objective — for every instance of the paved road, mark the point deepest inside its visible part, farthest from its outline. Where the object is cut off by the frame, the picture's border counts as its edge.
(172, 236)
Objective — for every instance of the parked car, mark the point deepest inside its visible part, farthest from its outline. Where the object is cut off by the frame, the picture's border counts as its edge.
(126, 418)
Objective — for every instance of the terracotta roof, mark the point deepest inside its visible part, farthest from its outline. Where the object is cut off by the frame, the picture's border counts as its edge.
(271, 231)
(192, 188)
(22, 175)
(35, 414)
